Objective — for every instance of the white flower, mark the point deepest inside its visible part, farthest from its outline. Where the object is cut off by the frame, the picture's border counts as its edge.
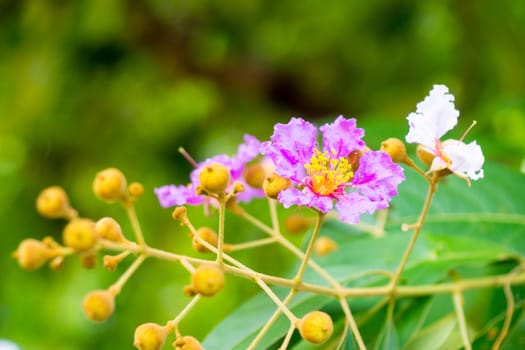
(8, 345)
(434, 116)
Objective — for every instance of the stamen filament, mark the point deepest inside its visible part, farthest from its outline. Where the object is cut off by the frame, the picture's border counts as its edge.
(468, 130)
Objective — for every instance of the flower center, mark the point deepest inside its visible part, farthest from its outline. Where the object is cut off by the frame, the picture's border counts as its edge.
(326, 173)
(441, 153)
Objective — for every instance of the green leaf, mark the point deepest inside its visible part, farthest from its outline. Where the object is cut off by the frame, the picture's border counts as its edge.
(435, 336)
(388, 339)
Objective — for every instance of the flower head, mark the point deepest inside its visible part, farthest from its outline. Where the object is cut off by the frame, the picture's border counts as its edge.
(171, 195)
(434, 116)
(324, 176)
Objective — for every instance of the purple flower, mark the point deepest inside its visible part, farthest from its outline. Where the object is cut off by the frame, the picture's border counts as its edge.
(171, 195)
(322, 177)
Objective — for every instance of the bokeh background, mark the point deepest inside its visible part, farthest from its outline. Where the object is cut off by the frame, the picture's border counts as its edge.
(89, 84)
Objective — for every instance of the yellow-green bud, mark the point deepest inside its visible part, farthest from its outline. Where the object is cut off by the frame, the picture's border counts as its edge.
(32, 254)
(395, 148)
(99, 305)
(238, 187)
(324, 246)
(425, 156)
(111, 261)
(150, 336)
(214, 178)
(56, 263)
(136, 189)
(180, 213)
(316, 327)
(297, 223)
(80, 234)
(109, 229)
(207, 280)
(274, 184)
(207, 235)
(110, 185)
(187, 343)
(89, 260)
(53, 203)
(255, 175)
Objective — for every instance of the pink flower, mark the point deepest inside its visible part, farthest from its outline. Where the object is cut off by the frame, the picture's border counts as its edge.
(171, 195)
(434, 116)
(322, 177)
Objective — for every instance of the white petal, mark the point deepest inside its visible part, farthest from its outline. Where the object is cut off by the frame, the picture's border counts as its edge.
(434, 116)
(466, 159)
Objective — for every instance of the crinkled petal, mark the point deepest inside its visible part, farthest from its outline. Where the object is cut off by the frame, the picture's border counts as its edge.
(171, 195)
(466, 159)
(293, 196)
(353, 204)
(377, 177)
(246, 152)
(291, 147)
(342, 136)
(434, 116)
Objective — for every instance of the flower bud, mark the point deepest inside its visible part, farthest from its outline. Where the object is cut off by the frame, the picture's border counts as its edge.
(111, 261)
(32, 254)
(136, 189)
(425, 156)
(395, 148)
(99, 305)
(150, 336)
(238, 187)
(187, 343)
(188, 291)
(207, 280)
(53, 203)
(255, 175)
(109, 229)
(180, 213)
(274, 184)
(110, 185)
(56, 263)
(206, 234)
(324, 246)
(316, 327)
(80, 234)
(89, 260)
(50, 242)
(214, 178)
(297, 223)
(233, 206)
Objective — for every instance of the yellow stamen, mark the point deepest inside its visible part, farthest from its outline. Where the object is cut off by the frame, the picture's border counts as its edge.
(328, 174)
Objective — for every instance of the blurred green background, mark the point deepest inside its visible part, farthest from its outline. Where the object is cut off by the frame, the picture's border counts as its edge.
(85, 85)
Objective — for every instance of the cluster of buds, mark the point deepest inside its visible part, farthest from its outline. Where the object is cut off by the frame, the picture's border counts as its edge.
(342, 173)
(86, 237)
